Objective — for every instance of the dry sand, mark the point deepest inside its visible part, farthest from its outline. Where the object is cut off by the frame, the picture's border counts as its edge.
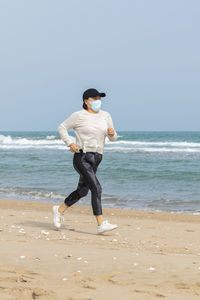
(152, 255)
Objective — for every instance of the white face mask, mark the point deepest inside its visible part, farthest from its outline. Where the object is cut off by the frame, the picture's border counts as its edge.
(95, 104)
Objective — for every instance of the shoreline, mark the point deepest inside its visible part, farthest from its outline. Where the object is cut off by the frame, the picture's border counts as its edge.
(197, 213)
(151, 254)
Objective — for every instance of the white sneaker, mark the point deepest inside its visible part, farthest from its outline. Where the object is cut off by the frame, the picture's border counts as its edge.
(106, 226)
(56, 216)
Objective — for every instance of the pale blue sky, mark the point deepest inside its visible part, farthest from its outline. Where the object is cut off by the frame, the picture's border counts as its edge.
(143, 54)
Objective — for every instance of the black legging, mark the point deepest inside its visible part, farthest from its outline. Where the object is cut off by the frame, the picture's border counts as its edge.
(86, 165)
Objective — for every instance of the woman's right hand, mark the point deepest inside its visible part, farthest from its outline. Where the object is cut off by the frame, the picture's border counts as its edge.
(73, 147)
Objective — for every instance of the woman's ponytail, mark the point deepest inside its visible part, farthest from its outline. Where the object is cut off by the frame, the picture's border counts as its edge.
(85, 105)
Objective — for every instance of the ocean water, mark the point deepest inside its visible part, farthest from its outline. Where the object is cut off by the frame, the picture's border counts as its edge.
(141, 170)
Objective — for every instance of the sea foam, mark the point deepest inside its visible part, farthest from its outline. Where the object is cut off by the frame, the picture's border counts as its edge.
(54, 142)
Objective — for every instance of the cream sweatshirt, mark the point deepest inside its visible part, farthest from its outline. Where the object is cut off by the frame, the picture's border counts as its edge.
(90, 130)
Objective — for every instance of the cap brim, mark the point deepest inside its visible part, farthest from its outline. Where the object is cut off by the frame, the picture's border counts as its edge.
(102, 94)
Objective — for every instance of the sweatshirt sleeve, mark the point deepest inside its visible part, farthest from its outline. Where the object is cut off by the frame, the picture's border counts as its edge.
(65, 125)
(110, 125)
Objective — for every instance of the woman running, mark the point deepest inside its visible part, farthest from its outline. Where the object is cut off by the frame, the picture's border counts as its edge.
(91, 125)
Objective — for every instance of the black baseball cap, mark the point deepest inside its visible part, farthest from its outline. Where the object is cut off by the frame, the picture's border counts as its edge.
(92, 93)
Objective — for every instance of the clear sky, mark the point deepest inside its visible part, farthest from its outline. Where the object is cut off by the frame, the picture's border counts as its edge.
(145, 55)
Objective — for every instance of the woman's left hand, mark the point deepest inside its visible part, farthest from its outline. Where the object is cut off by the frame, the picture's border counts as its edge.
(111, 131)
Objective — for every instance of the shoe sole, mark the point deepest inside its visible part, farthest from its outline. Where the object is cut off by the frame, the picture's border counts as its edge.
(107, 230)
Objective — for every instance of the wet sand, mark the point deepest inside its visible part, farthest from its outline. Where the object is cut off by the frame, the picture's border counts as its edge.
(151, 255)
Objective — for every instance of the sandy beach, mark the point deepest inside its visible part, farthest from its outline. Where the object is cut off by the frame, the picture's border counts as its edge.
(151, 255)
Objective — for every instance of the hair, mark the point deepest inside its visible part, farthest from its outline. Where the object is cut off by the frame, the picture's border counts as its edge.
(84, 105)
